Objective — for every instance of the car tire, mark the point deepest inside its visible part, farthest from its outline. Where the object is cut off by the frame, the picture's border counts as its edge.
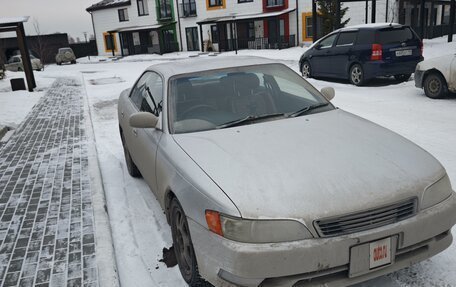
(356, 75)
(435, 86)
(73, 62)
(131, 166)
(306, 70)
(402, 77)
(183, 246)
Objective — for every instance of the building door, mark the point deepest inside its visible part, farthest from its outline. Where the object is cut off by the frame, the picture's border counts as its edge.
(192, 38)
(273, 32)
(223, 39)
(136, 42)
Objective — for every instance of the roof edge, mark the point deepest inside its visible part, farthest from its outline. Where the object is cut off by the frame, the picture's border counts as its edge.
(98, 6)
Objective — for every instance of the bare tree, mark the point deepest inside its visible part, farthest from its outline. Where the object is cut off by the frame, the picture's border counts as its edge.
(40, 47)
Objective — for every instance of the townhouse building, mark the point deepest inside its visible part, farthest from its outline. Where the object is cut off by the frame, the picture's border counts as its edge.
(129, 27)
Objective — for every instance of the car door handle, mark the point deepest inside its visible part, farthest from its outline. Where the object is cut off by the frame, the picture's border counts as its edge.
(135, 132)
(122, 114)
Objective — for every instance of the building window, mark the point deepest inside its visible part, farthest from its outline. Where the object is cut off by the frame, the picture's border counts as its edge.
(244, 1)
(251, 30)
(273, 3)
(110, 42)
(214, 34)
(123, 14)
(192, 38)
(165, 9)
(188, 8)
(215, 3)
(143, 10)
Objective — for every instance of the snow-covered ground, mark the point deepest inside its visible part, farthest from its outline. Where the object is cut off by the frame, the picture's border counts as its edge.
(140, 231)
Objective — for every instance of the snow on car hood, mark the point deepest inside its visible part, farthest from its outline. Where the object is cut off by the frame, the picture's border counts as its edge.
(314, 166)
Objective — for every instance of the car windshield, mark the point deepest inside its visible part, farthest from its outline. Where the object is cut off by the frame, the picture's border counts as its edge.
(218, 98)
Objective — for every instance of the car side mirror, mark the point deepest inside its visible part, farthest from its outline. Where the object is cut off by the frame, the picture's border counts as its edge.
(317, 46)
(328, 93)
(143, 120)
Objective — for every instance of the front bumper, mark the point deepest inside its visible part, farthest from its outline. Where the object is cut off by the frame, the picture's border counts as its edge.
(374, 69)
(322, 260)
(419, 78)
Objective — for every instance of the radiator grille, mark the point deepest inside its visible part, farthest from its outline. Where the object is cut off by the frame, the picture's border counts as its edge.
(366, 220)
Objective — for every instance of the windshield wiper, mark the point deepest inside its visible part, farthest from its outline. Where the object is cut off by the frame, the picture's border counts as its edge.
(305, 110)
(248, 119)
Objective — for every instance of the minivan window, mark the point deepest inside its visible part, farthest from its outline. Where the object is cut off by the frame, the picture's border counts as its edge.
(395, 35)
(328, 42)
(346, 38)
(365, 37)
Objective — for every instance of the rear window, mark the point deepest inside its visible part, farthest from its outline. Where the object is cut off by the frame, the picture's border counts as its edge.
(397, 35)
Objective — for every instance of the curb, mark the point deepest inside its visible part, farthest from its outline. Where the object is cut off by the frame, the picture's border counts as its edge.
(105, 256)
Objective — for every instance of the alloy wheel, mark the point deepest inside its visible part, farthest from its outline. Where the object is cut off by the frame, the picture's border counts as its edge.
(356, 75)
(305, 70)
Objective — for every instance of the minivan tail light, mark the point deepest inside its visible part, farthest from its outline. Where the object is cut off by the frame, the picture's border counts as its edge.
(377, 53)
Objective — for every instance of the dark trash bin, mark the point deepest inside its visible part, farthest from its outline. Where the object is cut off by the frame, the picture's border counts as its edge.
(18, 84)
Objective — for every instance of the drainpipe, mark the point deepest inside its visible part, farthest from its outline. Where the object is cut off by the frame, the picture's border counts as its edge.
(179, 25)
(297, 23)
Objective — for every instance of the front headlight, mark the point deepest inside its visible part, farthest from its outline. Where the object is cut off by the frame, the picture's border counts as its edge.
(256, 231)
(436, 192)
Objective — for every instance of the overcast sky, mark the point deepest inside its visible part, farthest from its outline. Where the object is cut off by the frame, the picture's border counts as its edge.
(65, 16)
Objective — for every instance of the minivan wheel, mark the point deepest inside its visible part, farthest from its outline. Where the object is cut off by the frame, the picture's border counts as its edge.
(306, 70)
(402, 77)
(131, 166)
(435, 86)
(183, 246)
(356, 75)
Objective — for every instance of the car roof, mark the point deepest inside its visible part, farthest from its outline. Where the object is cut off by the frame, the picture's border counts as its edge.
(205, 63)
(371, 26)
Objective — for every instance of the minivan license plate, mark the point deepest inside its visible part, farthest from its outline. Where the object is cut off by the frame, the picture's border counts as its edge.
(403, 53)
(380, 253)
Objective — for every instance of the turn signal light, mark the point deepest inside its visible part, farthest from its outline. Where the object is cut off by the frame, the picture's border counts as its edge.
(213, 222)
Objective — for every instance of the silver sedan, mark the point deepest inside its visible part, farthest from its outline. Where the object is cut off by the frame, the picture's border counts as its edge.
(265, 183)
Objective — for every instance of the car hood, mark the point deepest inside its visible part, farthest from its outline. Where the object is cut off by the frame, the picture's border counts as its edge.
(311, 167)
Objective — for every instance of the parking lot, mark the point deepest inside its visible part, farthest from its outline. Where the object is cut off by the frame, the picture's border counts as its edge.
(139, 228)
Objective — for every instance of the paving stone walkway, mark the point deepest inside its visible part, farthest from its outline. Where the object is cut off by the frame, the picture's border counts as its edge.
(46, 213)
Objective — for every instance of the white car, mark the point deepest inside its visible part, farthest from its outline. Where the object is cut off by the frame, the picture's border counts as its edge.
(437, 76)
(265, 183)
(15, 64)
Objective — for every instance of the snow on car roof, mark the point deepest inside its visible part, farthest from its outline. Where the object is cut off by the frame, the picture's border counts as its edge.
(371, 25)
(205, 63)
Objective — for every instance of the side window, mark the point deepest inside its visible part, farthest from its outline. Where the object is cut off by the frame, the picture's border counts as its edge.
(328, 42)
(136, 95)
(346, 38)
(153, 95)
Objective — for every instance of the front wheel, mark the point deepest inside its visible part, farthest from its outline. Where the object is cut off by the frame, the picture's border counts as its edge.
(435, 86)
(183, 246)
(306, 70)
(402, 77)
(356, 75)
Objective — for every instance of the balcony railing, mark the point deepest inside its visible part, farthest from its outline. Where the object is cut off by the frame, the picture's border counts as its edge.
(187, 9)
(281, 42)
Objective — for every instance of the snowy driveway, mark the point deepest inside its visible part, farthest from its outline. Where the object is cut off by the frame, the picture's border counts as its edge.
(140, 231)
(139, 227)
